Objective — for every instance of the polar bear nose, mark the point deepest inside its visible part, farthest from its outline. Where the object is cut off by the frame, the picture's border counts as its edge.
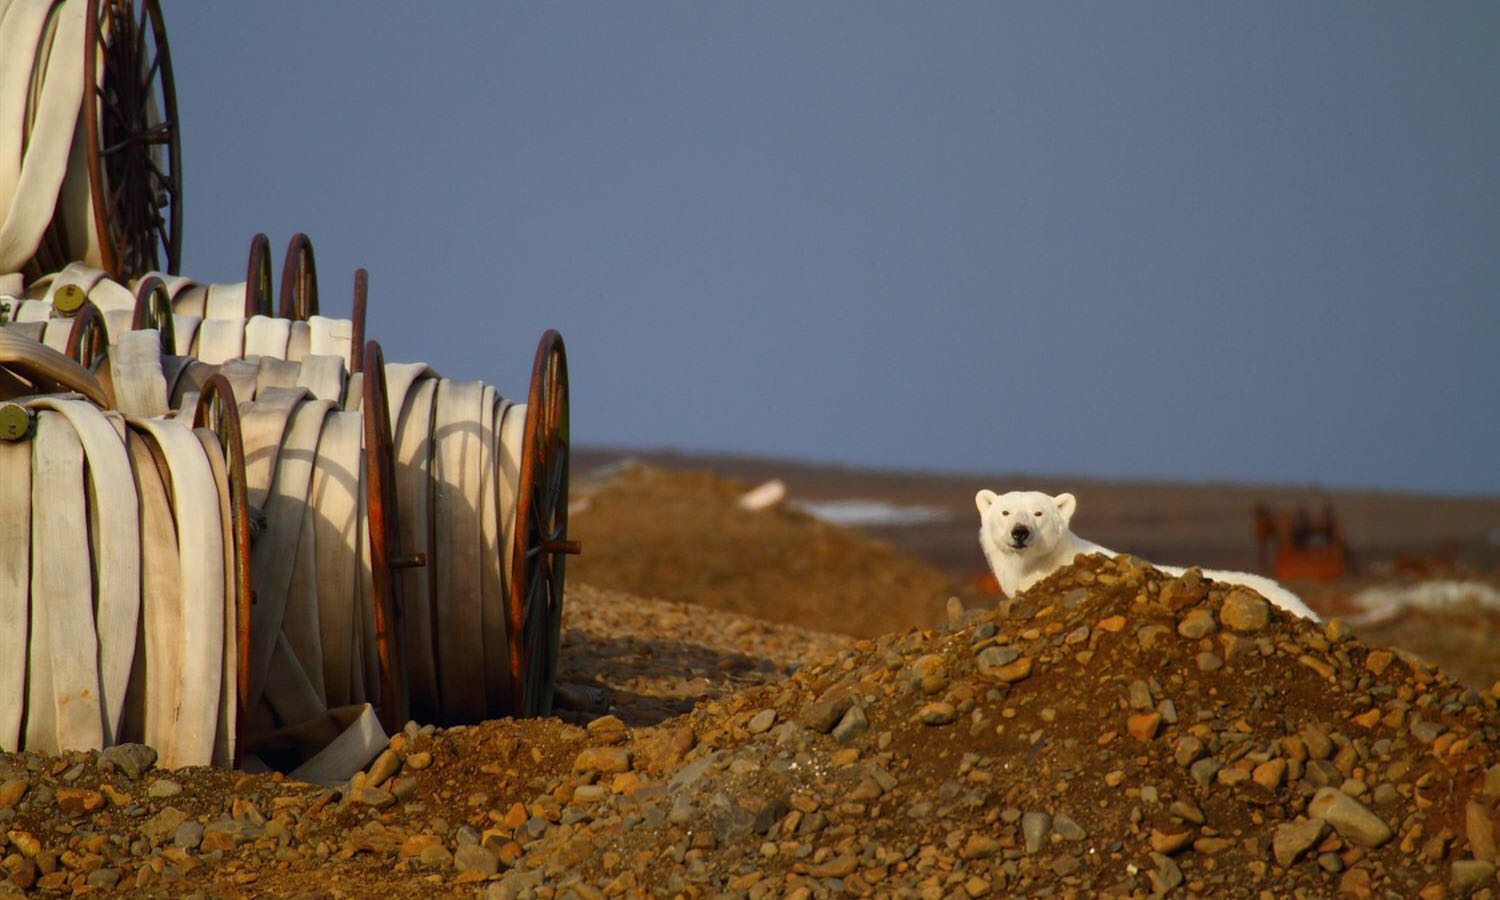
(1019, 534)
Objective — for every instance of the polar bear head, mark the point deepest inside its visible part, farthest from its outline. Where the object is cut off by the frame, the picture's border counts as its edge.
(1028, 523)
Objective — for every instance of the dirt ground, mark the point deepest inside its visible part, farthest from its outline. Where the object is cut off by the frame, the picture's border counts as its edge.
(759, 704)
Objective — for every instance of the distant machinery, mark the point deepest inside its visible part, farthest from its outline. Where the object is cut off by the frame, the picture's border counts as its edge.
(1300, 546)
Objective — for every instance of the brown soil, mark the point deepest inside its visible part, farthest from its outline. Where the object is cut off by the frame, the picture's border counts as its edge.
(682, 536)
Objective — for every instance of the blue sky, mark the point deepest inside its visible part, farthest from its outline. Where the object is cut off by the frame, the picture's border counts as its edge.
(1254, 242)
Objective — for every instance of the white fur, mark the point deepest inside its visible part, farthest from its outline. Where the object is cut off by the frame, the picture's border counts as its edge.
(1051, 544)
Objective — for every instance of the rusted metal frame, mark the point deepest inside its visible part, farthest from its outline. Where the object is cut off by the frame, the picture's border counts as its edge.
(126, 191)
(299, 280)
(153, 309)
(218, 410)
(258, 277)
(385, 547)
(357, 332)
(540, 547)
(88, 339)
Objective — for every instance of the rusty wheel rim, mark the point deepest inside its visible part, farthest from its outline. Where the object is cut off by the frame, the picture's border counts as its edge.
(153, 309)
(130, 126)
(541, 542)
(218, 411)
(385, 556)
(299, 280)
(88, 339)
(258, 278)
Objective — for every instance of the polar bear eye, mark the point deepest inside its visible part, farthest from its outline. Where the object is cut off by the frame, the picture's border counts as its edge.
(1038, 514)
(1004, 512)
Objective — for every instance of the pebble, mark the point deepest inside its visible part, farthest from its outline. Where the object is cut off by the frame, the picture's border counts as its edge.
(419, 761)
(163, 787)
(1468, 874)
(1245, 611)
(607, 760)
(1067, 829)
(1198, 623)
(387, 764)
(474, 858)
(761, 722)
(1479, 825)
(188, 835)
(1034, 828)
(852, 725)
(992, 658)
(1294, 839)
(939, 712)
(12, 791)
(1143, 726)
(822, 715)
(133, 760)
(1353, 821)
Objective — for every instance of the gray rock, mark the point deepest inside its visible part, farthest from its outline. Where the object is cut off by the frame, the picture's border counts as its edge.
(683, 810)
(1322, 773)
(1245, 611)
(1034, 827)
(826, 713)
(1188, 750)
(1480, 827)
(1469, 874)
(1294, 839)
(188, 835)
(514, 884)
(163, 787)
(473, 858)
(131, 759)
(1204, 770)
(105, 878)
(1198, 623)
(1067, 829)
(991, 658)
(852, 725)
(1140, 695)
(761, 722)
(1350, 818)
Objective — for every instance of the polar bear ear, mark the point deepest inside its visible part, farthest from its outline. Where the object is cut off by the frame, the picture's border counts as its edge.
(1066, 504)
(983, 499)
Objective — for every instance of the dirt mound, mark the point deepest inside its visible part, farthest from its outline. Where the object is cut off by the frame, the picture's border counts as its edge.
(682, 536)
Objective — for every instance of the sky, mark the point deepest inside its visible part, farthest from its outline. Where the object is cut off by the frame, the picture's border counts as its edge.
(1172, 240)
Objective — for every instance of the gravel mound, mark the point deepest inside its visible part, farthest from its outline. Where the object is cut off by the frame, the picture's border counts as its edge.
(1113, 731)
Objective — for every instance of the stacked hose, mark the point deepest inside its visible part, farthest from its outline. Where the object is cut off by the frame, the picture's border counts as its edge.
(116, 581)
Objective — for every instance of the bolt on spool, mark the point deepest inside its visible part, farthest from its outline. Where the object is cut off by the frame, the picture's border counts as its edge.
(15, 422)
(68, 300)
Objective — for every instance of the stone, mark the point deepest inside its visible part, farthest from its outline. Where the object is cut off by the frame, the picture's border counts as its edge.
(1143, 726)
(1492, 781)
(78, 801)
(931, 672)
(1209, 662)
(1204, 770)
(761, 722)
(992, 658)
(1269, 774)
(1198, 623)
(937, 713)
(1292, 840)
(1139, 695)
(1245, 611)
(1378, 660)
(1350, 818)
(1067, 829)
(386, 765)
(188, 835)
(162, 788)
(474, 858)
(1166, 876)
(1481, 831)
(1034, 828)
(979, 846)
(852, 725)
(12, 791)
(379, 798)
(1188, 750)
(104, 878)
(825, 713)
(1020, 670)
(132, 760)
(608, 760)
(1169, 843)
(419, 761)
(1468, 874)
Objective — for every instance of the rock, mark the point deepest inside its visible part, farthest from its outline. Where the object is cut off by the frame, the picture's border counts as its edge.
(1350, 818)
(852, 725)
(379, 798)
(1481, 831)
(992, 658)
(386, 765)
(931, 673)
(133, 760)
(1188, 750)
(1292, 840)
(1034, 828)
(837, 867)
(1169, 843)
(826, 713)
(1167, 875)
(979, 846)
(162, 788)
(610, 730)
(761, 722)
(188, 835)
(1011, 673)
(1143, 726)
(1269, 774)
(1198, 623)
(1204, 770)
(1139, 695)
(1492, 781)
(1245, 611)
(12, 791)
(1378, 660)
(104, 878)
(937, 713)
(156, 828)
(608, 760)
(419, 761)
(78, 802)
(1067, 829)
(1185, 590)
(1469, 874)
(474, 858)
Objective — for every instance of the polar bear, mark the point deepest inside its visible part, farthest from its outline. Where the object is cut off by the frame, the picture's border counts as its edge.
(1025, 536)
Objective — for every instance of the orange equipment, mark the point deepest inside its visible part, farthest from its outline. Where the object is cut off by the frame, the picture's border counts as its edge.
(1298, 546)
